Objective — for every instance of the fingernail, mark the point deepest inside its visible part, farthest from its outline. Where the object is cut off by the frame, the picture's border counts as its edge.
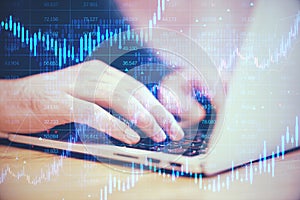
(159, 137)
(131, 135)
(176, 132)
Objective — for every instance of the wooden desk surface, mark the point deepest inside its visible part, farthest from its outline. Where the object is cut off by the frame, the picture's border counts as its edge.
(27, 174)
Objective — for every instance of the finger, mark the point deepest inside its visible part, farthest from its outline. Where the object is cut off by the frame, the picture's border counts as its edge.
(163, 117)
(119, 88)
(98, 118)
(115, 85)
(130, 108)
(176, 95)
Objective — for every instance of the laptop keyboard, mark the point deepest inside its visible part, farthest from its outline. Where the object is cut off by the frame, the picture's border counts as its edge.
(190, 145)
(195, 141)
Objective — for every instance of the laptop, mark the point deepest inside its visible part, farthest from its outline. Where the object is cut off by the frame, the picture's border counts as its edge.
(255, 118)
